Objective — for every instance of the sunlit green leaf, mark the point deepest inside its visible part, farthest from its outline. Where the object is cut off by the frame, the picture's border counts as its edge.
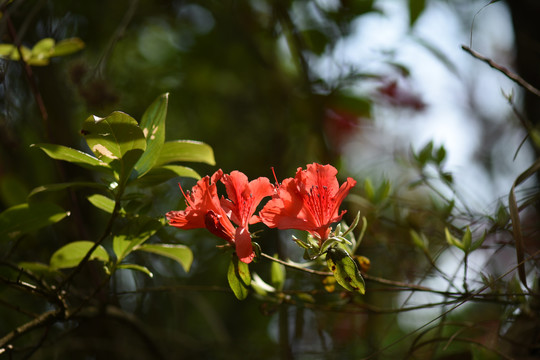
(452, 240)
(179, 253)
(43, 48)
(277, 274)
(164, 173)
(116, 140)
(466, 240)
(37, 268)
(9, 51)
(134, 234)
(239, 278)
(186, 150)
(306, 297)
(153, 127)
(345, 270)
(67, 46)
(62, 186)
(260, 286)
(136, 267)
(102, 202)
(419, 240)
(59, 152)
(71, 254)
(25, 218)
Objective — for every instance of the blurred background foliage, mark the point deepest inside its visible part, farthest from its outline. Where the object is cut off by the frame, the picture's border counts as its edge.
(264, 84)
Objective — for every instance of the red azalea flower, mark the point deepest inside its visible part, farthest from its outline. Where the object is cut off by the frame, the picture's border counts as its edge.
(310, 201)
(244, 197)
(204, 210)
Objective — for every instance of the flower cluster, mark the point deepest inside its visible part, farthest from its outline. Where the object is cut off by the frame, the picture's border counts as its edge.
(310, 201)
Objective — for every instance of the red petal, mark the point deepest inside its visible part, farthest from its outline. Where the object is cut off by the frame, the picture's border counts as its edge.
(285, 211)
(244, 197)
(244, 249)
(318, 175)
(188, 219)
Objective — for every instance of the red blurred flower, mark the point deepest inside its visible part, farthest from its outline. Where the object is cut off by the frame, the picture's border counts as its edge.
(206, 210)
(397, 95)
(310, 201)
(340, 126)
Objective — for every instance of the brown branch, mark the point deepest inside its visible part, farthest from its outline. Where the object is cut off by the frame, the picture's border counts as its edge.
(509, 74)
(375, 279)
(470, 341)
(42, 320)
(470, 296)
(106, 232)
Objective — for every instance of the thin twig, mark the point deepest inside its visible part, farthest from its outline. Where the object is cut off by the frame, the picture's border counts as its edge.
(89, 253)
(41, 320)
(509, 74)
(379, 280)
(465, 299)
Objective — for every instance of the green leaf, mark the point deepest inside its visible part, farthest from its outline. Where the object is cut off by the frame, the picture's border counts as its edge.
(9, 51)
(153, 127)
(164, 173)
(453, 241)
(447, 178)
(316, 40)
(416, 7)
(239, 278)
(419, 240)
(260, 286)
(67, 46)
(502, 216)
(368, 189)
(37, 268)
(345, 270)
(134, 234)
(116, 140)
(62, 186)
(13, 190)
(71, 254)
(382, 191)
(135, 267)
(466, 240)
(441, 155)
(102, 202)
(179, 253)
(25, 218)
(277, 274)
(43, 49)
(516, 222)
(475, 245)
(426, 154)
(59, 152)
(186, 150)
